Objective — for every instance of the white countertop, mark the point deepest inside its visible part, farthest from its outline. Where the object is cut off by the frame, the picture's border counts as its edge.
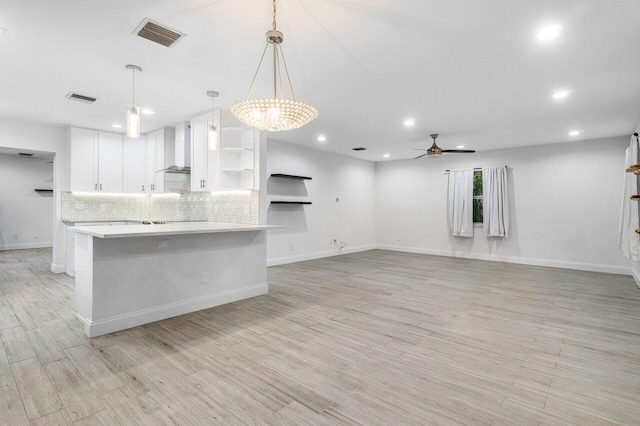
(174, 228)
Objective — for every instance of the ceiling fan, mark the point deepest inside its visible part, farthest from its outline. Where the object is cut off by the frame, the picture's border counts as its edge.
(436, 151)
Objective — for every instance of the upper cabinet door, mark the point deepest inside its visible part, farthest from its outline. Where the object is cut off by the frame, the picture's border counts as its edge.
(199, 154)
(84, 154)
(150, 164)
(109, 162)
(134, 165)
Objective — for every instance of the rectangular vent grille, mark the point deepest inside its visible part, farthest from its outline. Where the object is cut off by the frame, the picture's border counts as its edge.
(158, 33)
(360, 148)
(81, 98)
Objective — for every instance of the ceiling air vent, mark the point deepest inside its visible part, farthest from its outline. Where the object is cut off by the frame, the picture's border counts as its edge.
(25, 154)
(158, 33)
(360, 148)
(81, 98)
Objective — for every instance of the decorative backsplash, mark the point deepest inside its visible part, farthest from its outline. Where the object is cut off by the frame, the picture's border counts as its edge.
(226, 206)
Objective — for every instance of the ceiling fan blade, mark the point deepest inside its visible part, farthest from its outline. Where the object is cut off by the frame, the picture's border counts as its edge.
(459, 151)
(420, 156)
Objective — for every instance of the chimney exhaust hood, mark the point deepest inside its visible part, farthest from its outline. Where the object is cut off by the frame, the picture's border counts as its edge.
(182, 150)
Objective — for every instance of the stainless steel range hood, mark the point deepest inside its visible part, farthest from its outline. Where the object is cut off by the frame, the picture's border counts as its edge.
(182, 150)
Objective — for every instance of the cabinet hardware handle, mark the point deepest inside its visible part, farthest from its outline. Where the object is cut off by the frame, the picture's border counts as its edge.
(204, 183)
(142, 188)
(96, 186)
(100, 187)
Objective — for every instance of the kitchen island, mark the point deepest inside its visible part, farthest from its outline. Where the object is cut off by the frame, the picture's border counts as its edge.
(129, 275)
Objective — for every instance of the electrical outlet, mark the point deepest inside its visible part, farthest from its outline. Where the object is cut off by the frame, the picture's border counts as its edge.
(36, 236)
(204, 279)
(334, 242)
(163, 244)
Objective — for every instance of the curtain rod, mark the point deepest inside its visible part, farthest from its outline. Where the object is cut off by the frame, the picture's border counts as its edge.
(476, 168)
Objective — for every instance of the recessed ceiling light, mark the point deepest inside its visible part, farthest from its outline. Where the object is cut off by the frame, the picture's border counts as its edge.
(386, 155)
(322, 138)
(561, 94)
(574, 133)
(116, 125)
(148, 111)
(549, 32)
(460, 146)
(409, 122)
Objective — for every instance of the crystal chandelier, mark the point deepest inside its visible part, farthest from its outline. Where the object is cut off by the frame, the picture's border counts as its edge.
(276, 114)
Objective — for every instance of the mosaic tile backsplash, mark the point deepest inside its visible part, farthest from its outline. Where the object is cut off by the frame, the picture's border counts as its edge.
(227, 206)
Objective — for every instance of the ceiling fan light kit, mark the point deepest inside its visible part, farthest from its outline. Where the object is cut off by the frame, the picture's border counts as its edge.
(435, 151)
(276, 114)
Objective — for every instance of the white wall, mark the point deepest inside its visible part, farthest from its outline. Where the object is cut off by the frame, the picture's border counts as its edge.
(564, 202)
(26, 217)
(41, 137)
(308, 229)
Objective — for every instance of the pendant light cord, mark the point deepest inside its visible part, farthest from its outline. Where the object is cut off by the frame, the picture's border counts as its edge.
(133, 96)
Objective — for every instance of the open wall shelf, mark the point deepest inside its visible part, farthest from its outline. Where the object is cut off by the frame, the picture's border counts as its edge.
(291, 202)
(43, 190)
(284, 176)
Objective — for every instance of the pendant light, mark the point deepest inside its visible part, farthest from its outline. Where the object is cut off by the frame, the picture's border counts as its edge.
(133, 113)
(274, 114)
(213, 132)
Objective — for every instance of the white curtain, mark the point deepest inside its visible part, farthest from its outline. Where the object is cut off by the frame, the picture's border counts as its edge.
(460, 203)
(495, 202)
(628, 240)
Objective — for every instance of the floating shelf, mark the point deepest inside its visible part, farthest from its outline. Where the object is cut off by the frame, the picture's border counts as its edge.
(635, 197)
(291, 202)
(633, 168)
(281, 175)
(637, 230)
(43, 190)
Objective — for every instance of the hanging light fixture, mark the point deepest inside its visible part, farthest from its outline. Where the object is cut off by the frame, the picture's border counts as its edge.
(213, 132)
(274, 114)
(133, 113)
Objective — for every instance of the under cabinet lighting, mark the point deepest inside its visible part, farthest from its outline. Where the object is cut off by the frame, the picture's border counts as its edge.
(550, 32)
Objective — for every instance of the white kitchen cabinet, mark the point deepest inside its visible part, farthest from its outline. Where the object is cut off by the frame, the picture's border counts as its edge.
(200, 154)
(96, 161)
(109, 162)
(160, 154)
(231, 162)
(84, 160)
(134, 165)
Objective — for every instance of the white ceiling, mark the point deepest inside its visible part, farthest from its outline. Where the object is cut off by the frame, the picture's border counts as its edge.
(470, 70)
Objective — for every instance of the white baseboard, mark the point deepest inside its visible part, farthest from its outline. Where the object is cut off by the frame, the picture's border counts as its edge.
(58, 268)
(122, 322)
(591, 267)
(24, 246)
(317, 255)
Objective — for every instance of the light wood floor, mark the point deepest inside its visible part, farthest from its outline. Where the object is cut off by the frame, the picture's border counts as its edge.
(370, 338)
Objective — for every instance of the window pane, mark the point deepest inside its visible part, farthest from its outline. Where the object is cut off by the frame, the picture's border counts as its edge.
(477, 183)
(477, 210)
